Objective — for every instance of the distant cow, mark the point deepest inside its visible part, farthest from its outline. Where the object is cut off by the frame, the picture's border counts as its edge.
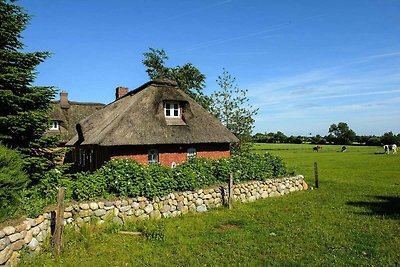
(389, 148)
(316, 148)
(344, 148)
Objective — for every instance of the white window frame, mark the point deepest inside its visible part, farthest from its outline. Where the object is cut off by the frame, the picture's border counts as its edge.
(191, 153)
(173, 108)
(55, 125)
(152, 156)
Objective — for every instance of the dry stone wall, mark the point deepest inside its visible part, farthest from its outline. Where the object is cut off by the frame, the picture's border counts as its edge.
(32, 232)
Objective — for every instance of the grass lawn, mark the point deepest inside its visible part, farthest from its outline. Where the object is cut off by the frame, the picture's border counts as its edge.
(353, 219)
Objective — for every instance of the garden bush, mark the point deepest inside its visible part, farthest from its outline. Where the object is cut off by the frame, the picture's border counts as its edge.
(127, 178)
(12, 180)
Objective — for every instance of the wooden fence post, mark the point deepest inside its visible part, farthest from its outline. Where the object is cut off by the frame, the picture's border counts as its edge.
(230, 191)
(57, 238)
(316, 174)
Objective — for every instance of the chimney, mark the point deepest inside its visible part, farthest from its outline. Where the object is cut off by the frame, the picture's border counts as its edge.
(120, 92)
(64, 103)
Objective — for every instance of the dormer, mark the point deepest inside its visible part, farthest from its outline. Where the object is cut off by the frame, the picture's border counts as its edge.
(174, 112)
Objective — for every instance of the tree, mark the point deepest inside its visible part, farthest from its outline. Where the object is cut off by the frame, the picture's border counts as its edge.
(23, 107)
(343, 135)
(188, 77)
(230, 106)
(388, 138)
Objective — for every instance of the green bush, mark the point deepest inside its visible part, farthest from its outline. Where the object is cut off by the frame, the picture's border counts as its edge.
(45, 192)
(127, 178)
(12, 180)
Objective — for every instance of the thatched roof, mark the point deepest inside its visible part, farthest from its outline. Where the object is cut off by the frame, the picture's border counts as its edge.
(138, 119)
(69, 117)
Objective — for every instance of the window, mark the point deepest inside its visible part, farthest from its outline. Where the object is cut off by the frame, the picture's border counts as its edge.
(191, 153)
(153, 156)
(82, 157)
(55, 125)
(172, 109)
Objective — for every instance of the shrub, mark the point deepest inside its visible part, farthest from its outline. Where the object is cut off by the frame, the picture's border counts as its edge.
(12, 179)
(127, 178)
(45, 192)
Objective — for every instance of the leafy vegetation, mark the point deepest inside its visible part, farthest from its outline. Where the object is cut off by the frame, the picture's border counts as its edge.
(188, 77)
(128, 178)
(231, 106)
(13, 180)
(351, 220)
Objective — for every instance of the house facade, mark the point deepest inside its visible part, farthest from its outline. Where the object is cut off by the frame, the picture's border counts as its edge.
(155, 123)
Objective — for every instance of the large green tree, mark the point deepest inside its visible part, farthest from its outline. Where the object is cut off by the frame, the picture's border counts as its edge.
(231, 106)
(342, 133)
(188, 77)
(23, 107)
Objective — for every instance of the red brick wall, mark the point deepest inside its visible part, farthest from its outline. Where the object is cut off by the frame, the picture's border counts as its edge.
(167, 154)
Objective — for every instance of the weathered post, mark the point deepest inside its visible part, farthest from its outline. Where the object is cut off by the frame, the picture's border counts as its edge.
(230, 191)
(316, 174)
(57, 238)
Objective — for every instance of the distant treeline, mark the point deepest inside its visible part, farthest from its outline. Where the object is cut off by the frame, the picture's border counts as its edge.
(369, 140)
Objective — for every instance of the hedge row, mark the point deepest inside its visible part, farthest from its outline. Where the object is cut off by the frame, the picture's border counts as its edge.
(128, 178)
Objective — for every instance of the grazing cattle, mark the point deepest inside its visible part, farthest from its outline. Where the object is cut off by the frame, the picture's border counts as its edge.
(389, 148)
(344, 148)
(316, 148)
(393, 148)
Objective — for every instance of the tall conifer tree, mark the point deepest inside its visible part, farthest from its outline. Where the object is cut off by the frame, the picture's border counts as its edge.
(23, 107)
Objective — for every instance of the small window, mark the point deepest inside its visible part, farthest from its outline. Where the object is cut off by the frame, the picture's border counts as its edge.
(153, 156)
(55, 125)
(82, 157)
(191, 153)
(172, 109)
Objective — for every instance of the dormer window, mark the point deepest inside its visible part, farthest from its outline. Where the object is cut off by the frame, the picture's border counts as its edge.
(55, 125)
(172, 109)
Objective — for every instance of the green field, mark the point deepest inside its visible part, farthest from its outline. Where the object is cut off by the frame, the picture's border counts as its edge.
(352, 219)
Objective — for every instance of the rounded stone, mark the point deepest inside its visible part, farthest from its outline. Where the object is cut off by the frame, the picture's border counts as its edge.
(84, 206)
(15, 237)
(135, 205)
(4, 242)
(155, 214)
(93, 206)
(201, 208)
(9, 230)
(165, 208)
(199, 201)
(125, 208)
(5, 254)
(139, 212)
(149, 208)
(100, 212)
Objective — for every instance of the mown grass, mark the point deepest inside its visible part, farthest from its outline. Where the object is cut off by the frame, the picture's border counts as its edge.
(352, 219)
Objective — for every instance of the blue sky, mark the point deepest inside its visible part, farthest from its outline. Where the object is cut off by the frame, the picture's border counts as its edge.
(306, 64)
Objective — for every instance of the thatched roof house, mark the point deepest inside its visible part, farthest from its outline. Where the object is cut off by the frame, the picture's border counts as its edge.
(156, 122)
(66, 114)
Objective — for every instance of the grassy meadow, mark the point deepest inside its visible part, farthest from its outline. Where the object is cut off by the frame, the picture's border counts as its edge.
(352, 219)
